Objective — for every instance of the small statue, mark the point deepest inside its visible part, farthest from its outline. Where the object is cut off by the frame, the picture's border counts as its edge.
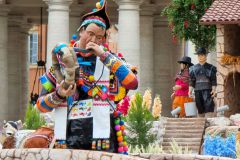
(180, 89)
(204, 81)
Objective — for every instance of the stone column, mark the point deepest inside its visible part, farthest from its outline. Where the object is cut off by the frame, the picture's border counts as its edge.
(14, 67)
(3, 62)
(75, 19)
(58, 25)
(129, 31)
(146, 47)
(166, 54)
(24, 67)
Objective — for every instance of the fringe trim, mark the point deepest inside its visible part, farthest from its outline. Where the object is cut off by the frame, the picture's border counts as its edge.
(227, 59)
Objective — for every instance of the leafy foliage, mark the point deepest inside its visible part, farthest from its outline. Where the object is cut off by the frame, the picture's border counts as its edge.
(177, 149)
(33, 120)
(139, 122)
(184, 17)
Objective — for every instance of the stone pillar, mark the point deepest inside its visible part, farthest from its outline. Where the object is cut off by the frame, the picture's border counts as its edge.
(3, 62)
(129, 31)
(58, 25)
(75, 19)
(24, 67)
(166, 54)
(14, 67)
(146, 47)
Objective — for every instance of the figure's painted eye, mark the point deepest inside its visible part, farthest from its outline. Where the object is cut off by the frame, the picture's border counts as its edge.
(9, 134)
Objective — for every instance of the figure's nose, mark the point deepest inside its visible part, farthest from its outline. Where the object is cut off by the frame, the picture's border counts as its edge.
(93, 39)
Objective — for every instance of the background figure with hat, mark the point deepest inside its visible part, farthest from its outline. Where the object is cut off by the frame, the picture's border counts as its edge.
(204, 81)
(180, 90)
(91, 92)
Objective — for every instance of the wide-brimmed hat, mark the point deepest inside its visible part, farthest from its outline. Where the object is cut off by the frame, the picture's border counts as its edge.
(201, 51)
(186, 60)
(98, 16)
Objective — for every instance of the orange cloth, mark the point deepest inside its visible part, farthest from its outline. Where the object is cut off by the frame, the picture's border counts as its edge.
(179, 102)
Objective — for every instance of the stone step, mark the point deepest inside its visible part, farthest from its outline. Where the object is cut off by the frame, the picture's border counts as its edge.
(186, 119)
(189, 147)
(192, 149)
(179, 140)
(186, 132)
(182, 131)
(180, 127)
(176, 135)
(182, 144)
(186, 123)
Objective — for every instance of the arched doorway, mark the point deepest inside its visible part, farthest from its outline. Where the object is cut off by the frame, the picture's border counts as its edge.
(232, 93)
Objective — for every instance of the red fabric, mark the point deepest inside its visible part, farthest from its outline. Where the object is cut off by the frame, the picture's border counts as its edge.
(184, 90)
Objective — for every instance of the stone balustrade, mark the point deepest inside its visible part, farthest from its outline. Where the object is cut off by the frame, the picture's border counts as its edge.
(65, 154)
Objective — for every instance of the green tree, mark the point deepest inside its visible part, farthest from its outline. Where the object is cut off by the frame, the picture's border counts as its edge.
(139, 122)
(184, 16)
(32, 119)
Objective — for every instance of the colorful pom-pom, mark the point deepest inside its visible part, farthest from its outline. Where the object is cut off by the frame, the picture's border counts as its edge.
(119, 133)
(115, 114)
(117, 127)
(94, 10)
(122, 128)
(91, 78)
(117, 121)
(124, 143)
(125, 148)
(120, 139)
(105, 49)
(74, 36)
(120, 55)
(120, 149)
(121, 122)
(106, 45)
(98, 5)
(101, 2)
(72, 41)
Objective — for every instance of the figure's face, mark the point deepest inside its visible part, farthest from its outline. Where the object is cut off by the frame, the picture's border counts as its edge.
(182, 65)
(202, 58)
(8, 130)
(92, 33)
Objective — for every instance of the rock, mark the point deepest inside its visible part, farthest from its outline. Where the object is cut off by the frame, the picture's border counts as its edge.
(60, 154)
(221, 130)
(235, 119)
(30, 156)
(218, 121)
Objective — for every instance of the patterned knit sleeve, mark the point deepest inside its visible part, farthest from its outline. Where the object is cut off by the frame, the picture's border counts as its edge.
(46, 103)
(125, 76)
(49, 99)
